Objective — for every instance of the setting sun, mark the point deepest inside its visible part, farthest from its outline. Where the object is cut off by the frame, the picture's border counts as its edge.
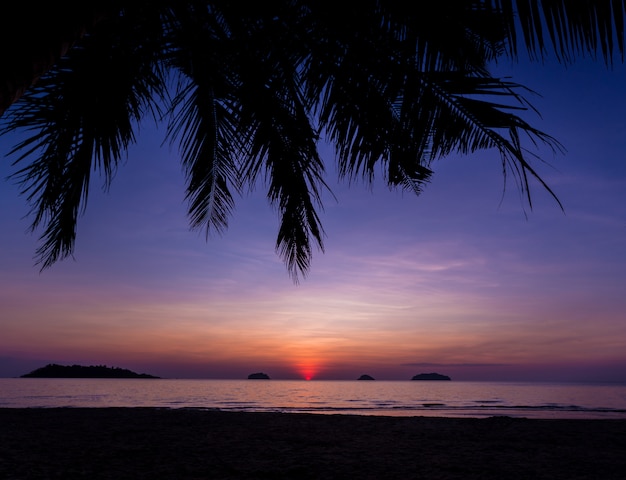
(307, 371)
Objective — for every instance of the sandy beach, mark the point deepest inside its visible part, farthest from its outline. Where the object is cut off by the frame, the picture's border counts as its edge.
(145, 443)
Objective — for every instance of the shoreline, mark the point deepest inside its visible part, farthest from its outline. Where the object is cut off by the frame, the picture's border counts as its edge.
(150, 443)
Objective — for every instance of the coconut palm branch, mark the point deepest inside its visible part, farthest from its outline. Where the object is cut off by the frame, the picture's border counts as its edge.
(202, 117)
(564, 28)
(81, 117)
(246, 122)
(393, 85)
(383, 103)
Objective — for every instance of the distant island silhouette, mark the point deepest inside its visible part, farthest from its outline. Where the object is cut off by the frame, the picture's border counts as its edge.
(258, 376)
(365, 377)
(79, 371)
(430, 376)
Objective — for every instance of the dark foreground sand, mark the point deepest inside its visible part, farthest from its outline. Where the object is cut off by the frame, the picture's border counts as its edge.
(138, 443)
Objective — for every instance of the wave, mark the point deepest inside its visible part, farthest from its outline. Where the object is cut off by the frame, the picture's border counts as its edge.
(444, 410)
(459, 399)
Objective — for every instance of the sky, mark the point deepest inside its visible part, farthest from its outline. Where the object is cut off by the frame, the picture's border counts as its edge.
(464, 280)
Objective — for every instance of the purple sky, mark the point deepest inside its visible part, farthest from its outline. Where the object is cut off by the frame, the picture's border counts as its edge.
(457, 281)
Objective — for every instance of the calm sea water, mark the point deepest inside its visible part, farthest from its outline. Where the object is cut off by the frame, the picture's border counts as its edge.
(397, 398)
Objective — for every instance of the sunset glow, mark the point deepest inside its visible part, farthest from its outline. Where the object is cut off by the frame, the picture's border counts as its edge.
(460, 280)
(307, 373)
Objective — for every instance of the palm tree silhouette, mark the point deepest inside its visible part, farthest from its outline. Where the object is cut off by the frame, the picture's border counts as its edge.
(248, 89)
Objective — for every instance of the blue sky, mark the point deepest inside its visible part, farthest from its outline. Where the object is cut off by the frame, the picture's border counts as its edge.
(464, 280)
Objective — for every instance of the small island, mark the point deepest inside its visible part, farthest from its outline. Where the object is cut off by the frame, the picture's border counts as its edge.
(365, 377)
(430, 376)
(258, 376)
(79, 371)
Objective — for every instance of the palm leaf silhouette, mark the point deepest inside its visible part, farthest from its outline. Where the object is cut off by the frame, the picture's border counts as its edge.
(249, 90)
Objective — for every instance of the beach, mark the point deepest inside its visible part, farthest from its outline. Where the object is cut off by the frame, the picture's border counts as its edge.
(149, 443)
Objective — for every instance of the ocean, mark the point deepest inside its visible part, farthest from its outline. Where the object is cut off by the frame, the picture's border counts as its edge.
(395, 398)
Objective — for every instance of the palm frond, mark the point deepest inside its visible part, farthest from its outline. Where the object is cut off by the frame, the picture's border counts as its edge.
(567, 28)
(202, 121)
(466, 120)
(282, 144)
(369, 81)
(394, 85)
(82, 117)
(205, 133)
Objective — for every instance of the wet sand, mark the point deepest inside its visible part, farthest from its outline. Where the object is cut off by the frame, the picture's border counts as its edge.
(144, 443)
